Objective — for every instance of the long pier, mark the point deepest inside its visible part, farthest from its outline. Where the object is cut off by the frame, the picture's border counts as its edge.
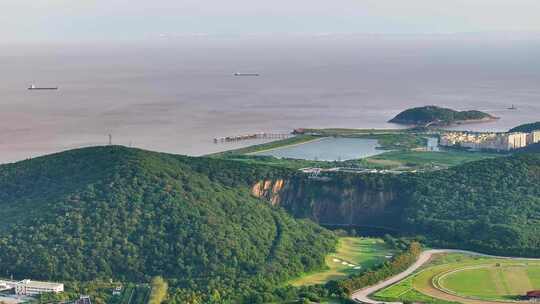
(252, 136)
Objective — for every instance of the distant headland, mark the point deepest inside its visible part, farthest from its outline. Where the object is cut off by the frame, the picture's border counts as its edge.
(437, 116)
(526, 128)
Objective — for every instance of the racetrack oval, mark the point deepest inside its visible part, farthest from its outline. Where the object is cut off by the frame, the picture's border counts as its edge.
(490, 282)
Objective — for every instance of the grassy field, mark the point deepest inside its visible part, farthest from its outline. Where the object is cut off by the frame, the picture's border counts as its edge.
(397, 291)
(492, 282)
(411, 289)
(410, 295)
(399, 141)
(423, 158)
(363, 253)
(466, 279)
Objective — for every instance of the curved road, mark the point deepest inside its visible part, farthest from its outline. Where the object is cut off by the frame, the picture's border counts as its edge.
(362, 295)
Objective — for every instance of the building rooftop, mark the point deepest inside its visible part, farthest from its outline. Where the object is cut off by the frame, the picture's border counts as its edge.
(39, 284)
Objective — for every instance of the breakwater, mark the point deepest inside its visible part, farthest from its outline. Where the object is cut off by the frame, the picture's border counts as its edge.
(252, 136)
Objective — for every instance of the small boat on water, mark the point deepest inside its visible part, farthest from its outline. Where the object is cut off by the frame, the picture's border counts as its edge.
(512, 108)
(246, 74)
(33, 87)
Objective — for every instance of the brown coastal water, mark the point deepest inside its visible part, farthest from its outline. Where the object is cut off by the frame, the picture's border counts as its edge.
(177, 95)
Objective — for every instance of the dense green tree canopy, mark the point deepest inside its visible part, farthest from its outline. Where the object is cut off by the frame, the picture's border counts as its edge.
(444, 116)
(491, 205)
(128, 214)
(526, 128)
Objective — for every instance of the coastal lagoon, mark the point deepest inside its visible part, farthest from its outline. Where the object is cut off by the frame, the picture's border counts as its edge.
(328, 149)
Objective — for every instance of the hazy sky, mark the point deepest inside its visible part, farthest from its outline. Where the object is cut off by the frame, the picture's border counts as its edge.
(132, 19)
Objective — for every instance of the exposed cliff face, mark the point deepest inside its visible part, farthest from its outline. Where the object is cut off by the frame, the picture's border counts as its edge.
(361, 201)
(269, 190)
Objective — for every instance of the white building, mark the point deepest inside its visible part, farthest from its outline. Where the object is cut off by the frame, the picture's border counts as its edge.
(516, 140)
(6, 285)
(31, 288)
(490, 141)
(533, 137)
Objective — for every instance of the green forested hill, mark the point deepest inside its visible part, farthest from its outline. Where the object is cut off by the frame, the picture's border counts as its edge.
(527, 128)
(114, 212)
(491, 205)
(437, 115)
(128, 214)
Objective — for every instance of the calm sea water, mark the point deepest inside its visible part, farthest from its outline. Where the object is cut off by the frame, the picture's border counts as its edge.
(329, 149)
(177, 95)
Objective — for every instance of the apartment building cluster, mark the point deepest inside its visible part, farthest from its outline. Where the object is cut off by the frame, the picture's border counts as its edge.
(490, 141)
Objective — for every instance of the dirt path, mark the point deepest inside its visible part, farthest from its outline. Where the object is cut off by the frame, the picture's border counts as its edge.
(362, 295)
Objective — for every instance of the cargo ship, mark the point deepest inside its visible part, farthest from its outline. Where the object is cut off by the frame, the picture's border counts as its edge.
(246, 74)
(33, 87)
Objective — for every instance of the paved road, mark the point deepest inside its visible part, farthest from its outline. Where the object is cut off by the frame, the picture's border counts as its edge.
(362, 295)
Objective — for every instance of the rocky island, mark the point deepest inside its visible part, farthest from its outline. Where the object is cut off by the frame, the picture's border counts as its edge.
(438, 116)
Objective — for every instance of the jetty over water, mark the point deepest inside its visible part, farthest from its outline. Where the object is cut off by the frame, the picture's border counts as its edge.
(252, 136)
